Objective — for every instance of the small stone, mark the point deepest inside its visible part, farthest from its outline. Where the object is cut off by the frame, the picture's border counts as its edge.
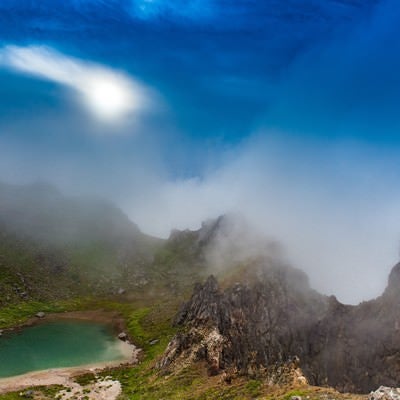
(40, 314)
(123, 336)
(27, 394)
(153, 342)
(213, 370)
(121, 291)
(295, 398)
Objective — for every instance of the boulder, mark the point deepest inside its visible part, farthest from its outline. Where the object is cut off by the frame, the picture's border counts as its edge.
(385, 393)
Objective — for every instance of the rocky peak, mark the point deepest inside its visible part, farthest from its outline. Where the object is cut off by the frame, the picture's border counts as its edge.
(393, 287)
(210, 229)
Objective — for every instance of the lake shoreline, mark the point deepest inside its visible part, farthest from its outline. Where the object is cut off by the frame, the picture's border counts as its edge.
(112, 318)
(64, 376)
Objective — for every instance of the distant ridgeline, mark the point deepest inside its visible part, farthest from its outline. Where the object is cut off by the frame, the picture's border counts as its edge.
(54, 247)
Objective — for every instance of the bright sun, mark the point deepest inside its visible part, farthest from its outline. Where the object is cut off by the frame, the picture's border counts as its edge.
(109, 96)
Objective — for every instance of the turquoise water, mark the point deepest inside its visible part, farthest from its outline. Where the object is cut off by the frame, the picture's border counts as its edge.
(57, 344)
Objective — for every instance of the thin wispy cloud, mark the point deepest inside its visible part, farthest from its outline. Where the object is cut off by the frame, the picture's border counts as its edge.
(109, 94)
(189, 9)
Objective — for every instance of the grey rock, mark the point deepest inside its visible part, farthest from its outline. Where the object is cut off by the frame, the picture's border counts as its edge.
(153, 342)
(385, 393)
(123, 336)
(28, 394)
(40, 314)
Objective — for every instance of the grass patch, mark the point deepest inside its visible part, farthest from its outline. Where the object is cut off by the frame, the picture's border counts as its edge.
(293, 393)
(39, 392)
(136, 328)
(49, 391)
(10, 396)
(191, 383)
(253, 387)
(149, 324)
(16, 314)
(85, 379)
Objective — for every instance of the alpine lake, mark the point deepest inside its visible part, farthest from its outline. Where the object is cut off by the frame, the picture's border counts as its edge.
(57, 344)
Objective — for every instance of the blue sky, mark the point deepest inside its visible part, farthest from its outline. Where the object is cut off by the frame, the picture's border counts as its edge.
(284, 111)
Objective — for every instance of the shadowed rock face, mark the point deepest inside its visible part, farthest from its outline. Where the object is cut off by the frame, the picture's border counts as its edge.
(272, 316)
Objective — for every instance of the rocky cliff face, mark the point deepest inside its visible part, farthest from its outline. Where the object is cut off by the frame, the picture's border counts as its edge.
(272, 319)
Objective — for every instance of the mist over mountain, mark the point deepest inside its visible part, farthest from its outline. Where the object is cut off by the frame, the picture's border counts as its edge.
(92, 244)
(256, 316)
(95, 236)
(54, 246)
(41, 212)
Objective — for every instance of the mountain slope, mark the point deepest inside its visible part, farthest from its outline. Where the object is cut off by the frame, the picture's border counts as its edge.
(61, 245)
(55, 246)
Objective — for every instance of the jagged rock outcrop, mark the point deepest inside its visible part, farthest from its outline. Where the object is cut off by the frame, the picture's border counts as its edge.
(272, 317)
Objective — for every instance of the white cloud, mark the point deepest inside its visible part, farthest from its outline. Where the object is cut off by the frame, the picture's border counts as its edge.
(109, 94)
